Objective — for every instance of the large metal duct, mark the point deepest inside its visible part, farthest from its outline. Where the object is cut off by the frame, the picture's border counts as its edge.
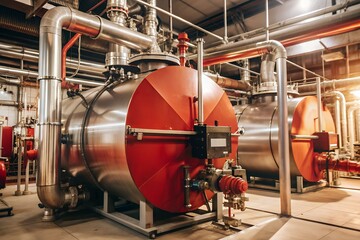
(48, 180)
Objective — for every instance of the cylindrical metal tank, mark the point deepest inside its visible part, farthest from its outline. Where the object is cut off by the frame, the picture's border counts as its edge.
(150, 169)
(258, 146)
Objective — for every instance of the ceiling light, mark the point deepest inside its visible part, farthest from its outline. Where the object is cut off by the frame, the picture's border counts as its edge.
(333, 56)
(355, 93)
(305, 4)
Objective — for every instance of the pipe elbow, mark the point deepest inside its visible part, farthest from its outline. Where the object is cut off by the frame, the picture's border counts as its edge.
(274, 46)
(55, 19)
(51, 196)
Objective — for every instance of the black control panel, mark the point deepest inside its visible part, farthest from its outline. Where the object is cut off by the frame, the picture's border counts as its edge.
(211, 142)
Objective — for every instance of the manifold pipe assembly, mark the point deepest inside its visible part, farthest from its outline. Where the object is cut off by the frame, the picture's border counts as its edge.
(48, 179)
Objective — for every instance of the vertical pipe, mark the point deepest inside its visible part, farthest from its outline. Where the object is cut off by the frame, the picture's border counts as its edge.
(171, 19)
(19, 157)
(267, 19)
(225, 22)
(283, 125)
(1, 130)
(27, 173)
(357, 125)
(200, 54)
(151, 25)
(351, 126)
(284, 167)
(245, 74)
(338, 121)
(347, 62)
(319, 104)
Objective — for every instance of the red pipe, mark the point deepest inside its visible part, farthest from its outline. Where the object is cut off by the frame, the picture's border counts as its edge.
(327, 32)
(183, 47)
(66, 48)
(324, 162)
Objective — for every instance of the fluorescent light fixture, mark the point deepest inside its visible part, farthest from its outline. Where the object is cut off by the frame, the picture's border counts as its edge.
(305, 4)
(355, 93)
(333, 56)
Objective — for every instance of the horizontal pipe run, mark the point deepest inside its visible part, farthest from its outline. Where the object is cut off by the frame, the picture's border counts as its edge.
(310, 137)
(337, 83)
(31, 55)
(9, 103)
(320, 28)
(296, 19)
(242, 68)
(27, 73)
(229, 83)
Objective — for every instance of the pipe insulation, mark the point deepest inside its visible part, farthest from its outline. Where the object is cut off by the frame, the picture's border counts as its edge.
(291, 35)
(48, 179)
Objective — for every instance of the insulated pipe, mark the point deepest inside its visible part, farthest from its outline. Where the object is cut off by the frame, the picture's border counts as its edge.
(267, 68)
(357, 119)
(229, 83)
(297, 19)
(27, 73)
(284, 149)
(319, 104)
(225, 22)
(279, 50)
(9, 103)
(52, 23)
(151, 25)
(344, 133)
(118, 55)
(171, 20)
(324, 27)
(200, 51)
(32, 55)
(337, 83)
(351, 126)
(337, 112)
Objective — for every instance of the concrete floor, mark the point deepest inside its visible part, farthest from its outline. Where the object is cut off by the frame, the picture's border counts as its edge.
(327, 214)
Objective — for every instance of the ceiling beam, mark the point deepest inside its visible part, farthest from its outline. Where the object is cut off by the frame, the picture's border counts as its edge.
(37, 6)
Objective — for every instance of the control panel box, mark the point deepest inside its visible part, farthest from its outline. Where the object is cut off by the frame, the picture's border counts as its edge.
(211, 142)
(326, 142)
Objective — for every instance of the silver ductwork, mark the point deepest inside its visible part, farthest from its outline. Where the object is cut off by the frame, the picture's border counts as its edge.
(48, 180)
(117, 13)
(351, 127)
(28, 73)
(151, 24)
(343, 120)
(337, 84)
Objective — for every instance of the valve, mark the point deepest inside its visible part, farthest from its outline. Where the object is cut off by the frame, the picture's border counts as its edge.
(183, 47)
